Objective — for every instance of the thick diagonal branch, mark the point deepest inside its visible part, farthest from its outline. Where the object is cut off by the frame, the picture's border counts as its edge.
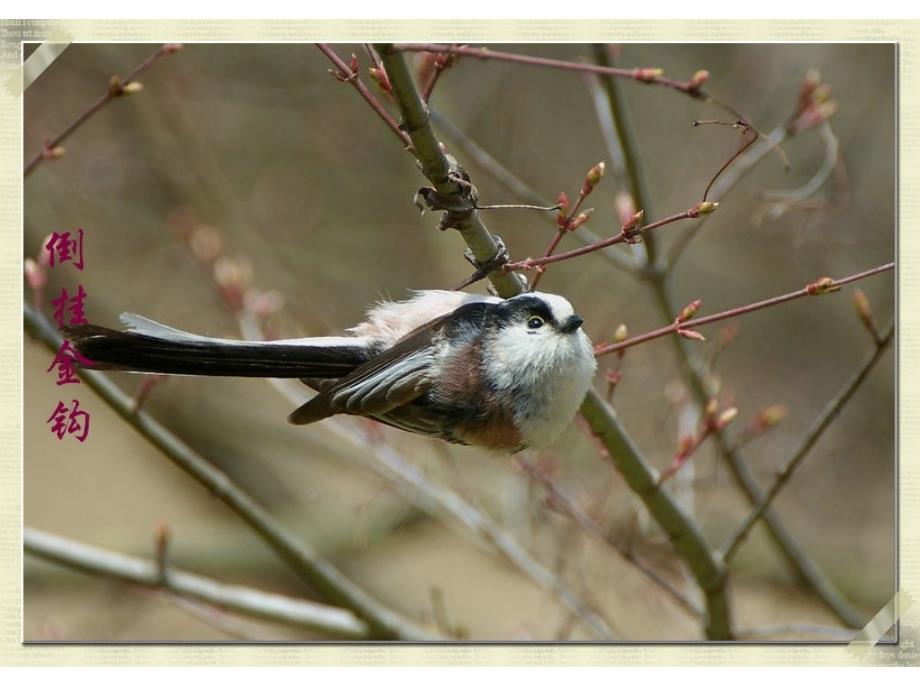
(685, 536)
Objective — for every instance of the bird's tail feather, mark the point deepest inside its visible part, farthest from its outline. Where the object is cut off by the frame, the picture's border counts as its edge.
(154, 348)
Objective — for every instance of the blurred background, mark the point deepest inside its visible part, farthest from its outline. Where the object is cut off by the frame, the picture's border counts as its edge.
(255, 152)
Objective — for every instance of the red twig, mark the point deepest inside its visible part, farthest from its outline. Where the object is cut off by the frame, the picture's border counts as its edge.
(115, 89)
(645, 75)
(625, 235)
(744, 147)
(441, 63)
(568, 220)
(818, 287)
(346, 74)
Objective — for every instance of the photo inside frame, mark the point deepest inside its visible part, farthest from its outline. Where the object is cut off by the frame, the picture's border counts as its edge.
(720, 217)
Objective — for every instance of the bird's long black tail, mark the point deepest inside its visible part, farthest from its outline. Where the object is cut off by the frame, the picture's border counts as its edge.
(154, 348)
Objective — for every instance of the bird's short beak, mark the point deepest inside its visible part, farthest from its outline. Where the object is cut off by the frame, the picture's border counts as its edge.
(572, 324)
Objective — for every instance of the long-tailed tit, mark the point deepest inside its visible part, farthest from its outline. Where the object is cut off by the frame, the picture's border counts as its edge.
(471, 369)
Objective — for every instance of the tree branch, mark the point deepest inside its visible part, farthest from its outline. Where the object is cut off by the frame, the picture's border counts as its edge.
(116, 88)
(436, 167)
(643, 75)
(332, 585)
(687, 540)
(626, 142)
(524, 192)
(253, 602)
(815, 288)
(346, 74)
(696, 375)
(818, 427)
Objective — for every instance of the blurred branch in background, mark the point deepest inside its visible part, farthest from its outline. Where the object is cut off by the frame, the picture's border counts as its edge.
(339, 623)
(319, 574)
(813, 108)
(820, 424)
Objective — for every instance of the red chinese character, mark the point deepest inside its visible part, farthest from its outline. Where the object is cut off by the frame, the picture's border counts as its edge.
(64, 361)
(63, 248)
(73, 304)
(72, 421)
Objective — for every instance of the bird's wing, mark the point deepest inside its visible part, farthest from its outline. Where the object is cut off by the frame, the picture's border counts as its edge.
(393, 378)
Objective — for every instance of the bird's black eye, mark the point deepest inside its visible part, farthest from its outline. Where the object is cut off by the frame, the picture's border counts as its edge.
(535, 322)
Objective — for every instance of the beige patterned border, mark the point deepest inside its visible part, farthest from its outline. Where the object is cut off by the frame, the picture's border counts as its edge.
(906, 33)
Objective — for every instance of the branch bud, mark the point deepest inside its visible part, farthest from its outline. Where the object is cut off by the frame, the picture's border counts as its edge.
(699, 78)
(592, 178)
(689, 311)
(353, 64)
(132, 87)
(625, 206)
(53, 152)
(689, 334)
(578, 220)
(634, 221)
(36, 276)
(726, 417)
(621, 333)
(562, 216)
(864, 311)
(380, 77)
(821, 94)
(712, 406)
(771, 416)
(822, 286)
(703, 208)
(827, 110)
(647, 74)
(115, 88)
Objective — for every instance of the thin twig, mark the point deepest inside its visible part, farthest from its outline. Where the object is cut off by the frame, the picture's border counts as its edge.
(276, 608)
(624, 236)
(644, 75)
(354, 79)
(744, 147)
(331, 584)
(560, 500)
(521, 190)
(725, 183)
(115, 89)
(814, 288)
(818, 427)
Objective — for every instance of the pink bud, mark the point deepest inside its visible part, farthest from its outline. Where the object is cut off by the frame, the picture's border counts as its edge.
(689, 311)
(689, 334)
(822, 286)
(36, 276)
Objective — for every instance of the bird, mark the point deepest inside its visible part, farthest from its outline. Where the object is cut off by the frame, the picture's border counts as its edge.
(477, 370)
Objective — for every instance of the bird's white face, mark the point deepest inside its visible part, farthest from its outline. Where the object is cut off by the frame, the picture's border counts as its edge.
(540, 352)
(539, 325)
